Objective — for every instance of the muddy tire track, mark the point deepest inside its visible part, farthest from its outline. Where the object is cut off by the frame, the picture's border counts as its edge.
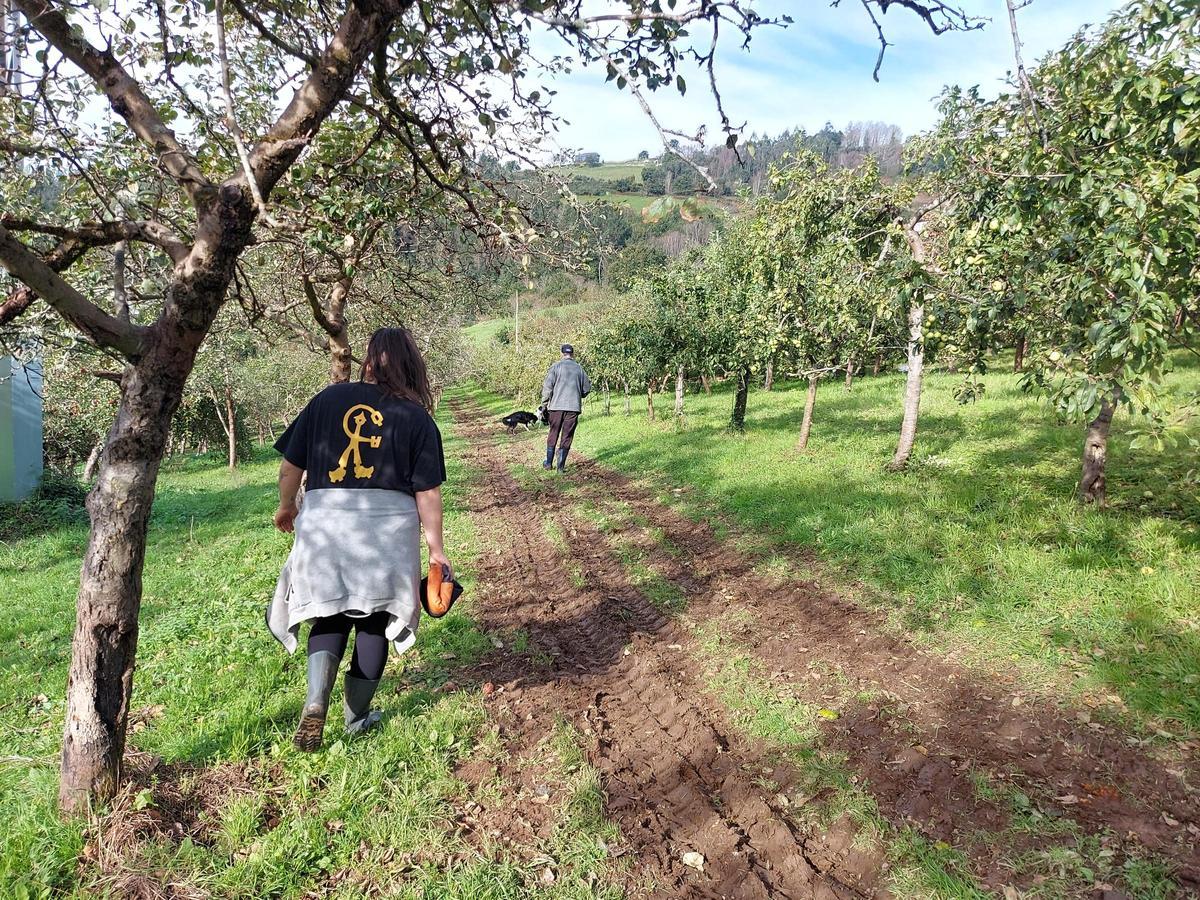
(677, 778)
(940, 723)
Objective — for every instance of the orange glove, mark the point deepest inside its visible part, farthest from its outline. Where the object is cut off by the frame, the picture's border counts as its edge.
(439, 592)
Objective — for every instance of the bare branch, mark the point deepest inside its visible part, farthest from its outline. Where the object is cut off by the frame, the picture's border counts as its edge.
(641, 99)
(125, 95)
(1027, 93)
(883, 41)
(19, 148)
(314, 304)
(937, 14)
(120, 294)
(231, 122)
(98, 234)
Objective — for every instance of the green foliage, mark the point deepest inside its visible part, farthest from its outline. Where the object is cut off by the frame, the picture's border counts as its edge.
(634, 262)
(1076, 209)
(800, 282)
(78, 407)
(814, 263)
(58, 501)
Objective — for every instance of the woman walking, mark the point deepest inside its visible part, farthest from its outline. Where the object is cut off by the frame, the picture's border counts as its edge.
(373, 457)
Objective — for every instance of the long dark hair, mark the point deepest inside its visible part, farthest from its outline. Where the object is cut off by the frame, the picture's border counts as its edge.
(397, 366)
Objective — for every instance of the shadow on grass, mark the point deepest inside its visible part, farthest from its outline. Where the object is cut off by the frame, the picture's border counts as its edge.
(944, 578)
(581, 623)
(983, 528)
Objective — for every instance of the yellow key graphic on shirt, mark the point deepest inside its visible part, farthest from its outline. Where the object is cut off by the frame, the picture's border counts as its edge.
(357, 439)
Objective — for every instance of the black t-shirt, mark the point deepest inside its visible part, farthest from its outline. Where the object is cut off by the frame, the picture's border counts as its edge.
(354, 435)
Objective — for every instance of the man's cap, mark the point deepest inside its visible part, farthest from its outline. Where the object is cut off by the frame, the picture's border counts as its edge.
(567, 348)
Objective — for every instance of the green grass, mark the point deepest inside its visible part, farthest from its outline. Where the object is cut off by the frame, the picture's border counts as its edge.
(220, 696)
(1049, 856)
(482, 333)
(485, 332)
(981, 546)
(636, 202)
(606, 172)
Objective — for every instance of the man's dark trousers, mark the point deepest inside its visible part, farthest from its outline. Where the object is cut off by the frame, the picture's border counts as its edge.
(562, 422)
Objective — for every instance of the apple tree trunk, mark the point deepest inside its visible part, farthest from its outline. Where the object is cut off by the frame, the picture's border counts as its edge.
(912, 387)
(738, 420)
(110, 587)
(340, 357)
(810, 401)
(100, 679)
(1092, 483)
(231, 417)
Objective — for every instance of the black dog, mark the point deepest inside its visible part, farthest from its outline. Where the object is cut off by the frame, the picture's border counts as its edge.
(512, 420)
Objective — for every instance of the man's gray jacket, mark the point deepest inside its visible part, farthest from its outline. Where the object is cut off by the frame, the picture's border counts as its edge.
(565, 386)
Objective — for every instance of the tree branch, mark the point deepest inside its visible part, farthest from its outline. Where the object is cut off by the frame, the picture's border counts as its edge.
(361, 27)
(1027, 92)
(98, 234)
(314, 303)
(662, 133)
(104, 329)
(937, 14)
(125, 95)
(231, 121)
(260, 26)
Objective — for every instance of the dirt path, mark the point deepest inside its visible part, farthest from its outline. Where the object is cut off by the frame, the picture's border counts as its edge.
(680, 780)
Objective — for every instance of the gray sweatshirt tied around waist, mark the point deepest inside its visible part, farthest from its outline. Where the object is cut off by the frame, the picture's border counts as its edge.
(357, 551)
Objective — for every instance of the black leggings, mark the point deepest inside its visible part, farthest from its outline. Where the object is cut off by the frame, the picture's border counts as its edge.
(370, 643)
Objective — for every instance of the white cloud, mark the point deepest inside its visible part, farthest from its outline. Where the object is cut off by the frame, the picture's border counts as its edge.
(819, 69)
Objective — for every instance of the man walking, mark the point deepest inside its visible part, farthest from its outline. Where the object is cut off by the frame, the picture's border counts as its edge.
(563, 391)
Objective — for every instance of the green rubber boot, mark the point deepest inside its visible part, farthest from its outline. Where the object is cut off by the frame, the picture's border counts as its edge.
(357, 705)
(322, 671)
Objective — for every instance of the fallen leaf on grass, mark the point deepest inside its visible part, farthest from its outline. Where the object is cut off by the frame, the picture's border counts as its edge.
(827, 714)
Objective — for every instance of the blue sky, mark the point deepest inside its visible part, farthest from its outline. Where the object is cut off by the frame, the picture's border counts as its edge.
(818, 70)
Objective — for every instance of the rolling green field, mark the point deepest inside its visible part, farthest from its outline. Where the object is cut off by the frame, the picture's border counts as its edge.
(980, 547)
(216, 698)
(636, 202)
(481, 333)
(610, 171)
